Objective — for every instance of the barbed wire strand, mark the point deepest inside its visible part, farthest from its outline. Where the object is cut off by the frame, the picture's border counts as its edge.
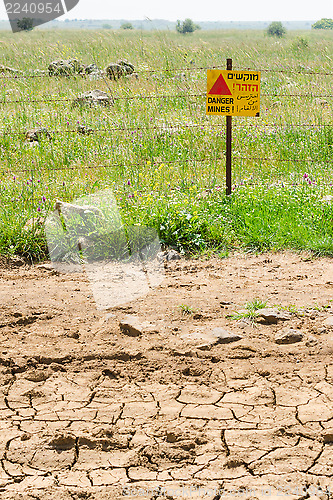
(165, 127)
(306, 71)
(149, 97)
(169, 162)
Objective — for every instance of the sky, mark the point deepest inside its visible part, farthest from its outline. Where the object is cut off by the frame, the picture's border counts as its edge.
(200, 10)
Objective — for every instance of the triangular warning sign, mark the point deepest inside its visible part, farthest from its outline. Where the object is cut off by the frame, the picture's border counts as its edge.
(220, 87)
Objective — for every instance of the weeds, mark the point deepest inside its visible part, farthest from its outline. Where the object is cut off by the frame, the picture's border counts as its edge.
(167, 168)
(250, 312)
(187, 310)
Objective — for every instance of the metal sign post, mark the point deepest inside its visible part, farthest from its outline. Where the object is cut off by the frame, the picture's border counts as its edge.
(228, 144)
(232, 93)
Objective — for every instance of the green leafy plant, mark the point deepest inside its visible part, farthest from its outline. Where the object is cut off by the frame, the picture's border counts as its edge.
(251, 311)
(276, 29)
(186, 310)
(323, 24)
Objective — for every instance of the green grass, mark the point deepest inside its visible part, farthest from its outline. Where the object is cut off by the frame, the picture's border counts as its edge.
(170, 174)
(251, 310)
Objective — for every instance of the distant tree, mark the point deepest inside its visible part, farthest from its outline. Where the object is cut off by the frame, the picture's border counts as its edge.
(25, 24)
(323, 24)
(106, 26)
(187, 26)
(126, 26)
(276, 29)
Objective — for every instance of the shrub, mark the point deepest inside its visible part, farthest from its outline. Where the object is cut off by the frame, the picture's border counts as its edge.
(126, 26)
(25, 24)
(276, 29)
(324, 24)
(187, 26)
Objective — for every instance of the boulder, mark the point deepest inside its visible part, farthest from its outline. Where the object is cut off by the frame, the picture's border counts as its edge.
(115, 71)
(7, 69)
(36, 134)
(93, 98)
(91, 68)
(66, 68)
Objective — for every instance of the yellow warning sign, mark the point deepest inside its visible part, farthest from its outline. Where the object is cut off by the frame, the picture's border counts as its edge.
(233, 93)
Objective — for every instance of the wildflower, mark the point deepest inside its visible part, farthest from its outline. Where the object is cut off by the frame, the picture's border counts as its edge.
(128, 183)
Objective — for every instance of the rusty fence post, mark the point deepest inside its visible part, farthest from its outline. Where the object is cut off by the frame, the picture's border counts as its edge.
(228, 144)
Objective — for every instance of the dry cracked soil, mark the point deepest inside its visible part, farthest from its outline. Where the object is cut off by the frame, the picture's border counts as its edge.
(89, 411)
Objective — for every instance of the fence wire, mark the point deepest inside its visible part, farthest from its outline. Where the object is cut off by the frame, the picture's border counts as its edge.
(18, 76)
(168, 127)
(155, 96)
(36, 169)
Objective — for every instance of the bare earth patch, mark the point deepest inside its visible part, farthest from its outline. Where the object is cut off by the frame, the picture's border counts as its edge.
(191, 403)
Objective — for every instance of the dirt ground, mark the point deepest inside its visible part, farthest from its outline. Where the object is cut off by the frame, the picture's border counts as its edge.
(90, 412)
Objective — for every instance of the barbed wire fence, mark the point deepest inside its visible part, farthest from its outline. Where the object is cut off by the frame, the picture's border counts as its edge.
(167, 126)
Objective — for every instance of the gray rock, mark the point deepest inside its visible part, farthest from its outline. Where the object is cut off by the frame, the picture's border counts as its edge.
(91, 68)
(289, 337)
(36, 134)
(272, 316)
(328, 323)
(84, 130)
(133, 327)
(7, 69)
(69, 209)
(224, 337)
(16, 261)
(168, 255)
(128, 67)
(205, 340)
(115, 71)
(65, 68)
(93, 98)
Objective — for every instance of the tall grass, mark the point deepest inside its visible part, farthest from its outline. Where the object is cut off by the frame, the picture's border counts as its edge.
(170, 173)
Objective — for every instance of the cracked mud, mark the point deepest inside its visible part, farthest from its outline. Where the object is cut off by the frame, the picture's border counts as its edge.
(88, 412)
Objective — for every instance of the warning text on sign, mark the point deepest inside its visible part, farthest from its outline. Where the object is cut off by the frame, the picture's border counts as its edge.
(229, 95)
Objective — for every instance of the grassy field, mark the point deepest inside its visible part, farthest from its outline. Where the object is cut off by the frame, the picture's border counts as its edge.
(166, 166)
